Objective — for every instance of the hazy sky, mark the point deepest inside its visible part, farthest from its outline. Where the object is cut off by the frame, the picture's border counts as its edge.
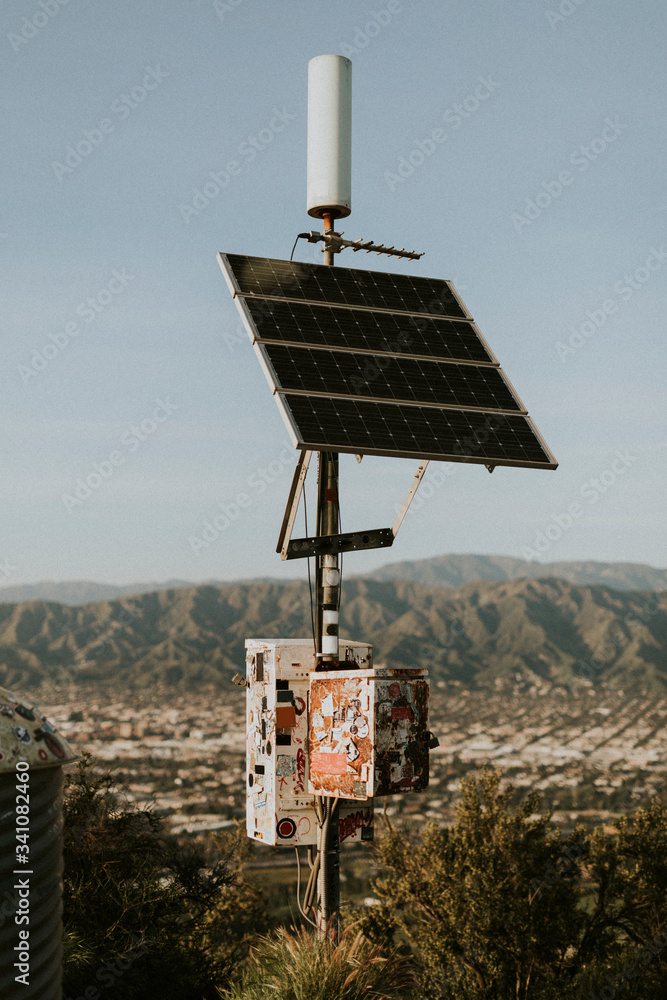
(124, 362)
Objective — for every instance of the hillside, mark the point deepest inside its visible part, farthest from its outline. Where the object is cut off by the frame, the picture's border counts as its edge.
(453, 570)
(472, 633)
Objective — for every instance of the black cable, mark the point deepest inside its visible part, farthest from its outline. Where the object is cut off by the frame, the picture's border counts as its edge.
(303, 911)
(340, 532)
(301, 236)
(323, 874)
(310, 582)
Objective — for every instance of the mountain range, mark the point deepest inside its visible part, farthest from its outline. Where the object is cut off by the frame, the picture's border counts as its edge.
(547, 629)
(453, 570)
(441, 571)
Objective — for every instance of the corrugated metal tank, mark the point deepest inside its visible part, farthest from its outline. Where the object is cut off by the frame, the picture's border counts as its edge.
(30, 817)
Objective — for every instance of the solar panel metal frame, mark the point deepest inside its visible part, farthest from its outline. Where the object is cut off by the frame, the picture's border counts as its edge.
(262, 349)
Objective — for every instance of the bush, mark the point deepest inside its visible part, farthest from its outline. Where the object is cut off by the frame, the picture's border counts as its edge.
(300, 966)
(142, 917)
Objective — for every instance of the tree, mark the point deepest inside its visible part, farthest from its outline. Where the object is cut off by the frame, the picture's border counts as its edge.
(623, 949)
(490, 905)
(502, 907)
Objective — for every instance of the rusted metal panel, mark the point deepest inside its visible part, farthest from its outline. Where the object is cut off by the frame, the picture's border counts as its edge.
(368, 732)
(341, 733)
(401, 735)
(279, 807)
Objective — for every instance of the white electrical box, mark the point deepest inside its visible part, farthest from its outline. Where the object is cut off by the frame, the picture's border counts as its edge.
(279, 806)
(368, 732)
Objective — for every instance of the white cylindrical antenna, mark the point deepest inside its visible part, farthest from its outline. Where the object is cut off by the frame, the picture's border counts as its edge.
(329, 137)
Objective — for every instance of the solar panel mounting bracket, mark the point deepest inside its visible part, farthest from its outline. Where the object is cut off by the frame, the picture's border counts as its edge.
(351, 541)
(296, 490)
(419, 475)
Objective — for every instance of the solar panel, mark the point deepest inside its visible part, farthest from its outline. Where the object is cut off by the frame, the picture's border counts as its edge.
(377, 428)
(402, 379)
(363, 330)
(381, 364)
(344, 285)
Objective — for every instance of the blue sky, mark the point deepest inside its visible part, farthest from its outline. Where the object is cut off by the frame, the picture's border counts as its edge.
(123, 356)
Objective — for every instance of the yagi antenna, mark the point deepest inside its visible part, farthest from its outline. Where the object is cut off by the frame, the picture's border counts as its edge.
(334, 243)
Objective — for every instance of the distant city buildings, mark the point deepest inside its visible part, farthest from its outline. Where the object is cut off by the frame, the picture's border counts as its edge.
(593, 754)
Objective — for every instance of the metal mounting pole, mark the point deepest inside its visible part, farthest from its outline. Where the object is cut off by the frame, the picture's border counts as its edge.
(326, 641)
(328, 197)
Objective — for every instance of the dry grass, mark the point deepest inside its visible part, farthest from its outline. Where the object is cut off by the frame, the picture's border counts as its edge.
(298, 966)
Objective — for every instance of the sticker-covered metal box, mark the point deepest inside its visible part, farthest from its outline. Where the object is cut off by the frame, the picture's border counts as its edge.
(279, 806)
(368, 732)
